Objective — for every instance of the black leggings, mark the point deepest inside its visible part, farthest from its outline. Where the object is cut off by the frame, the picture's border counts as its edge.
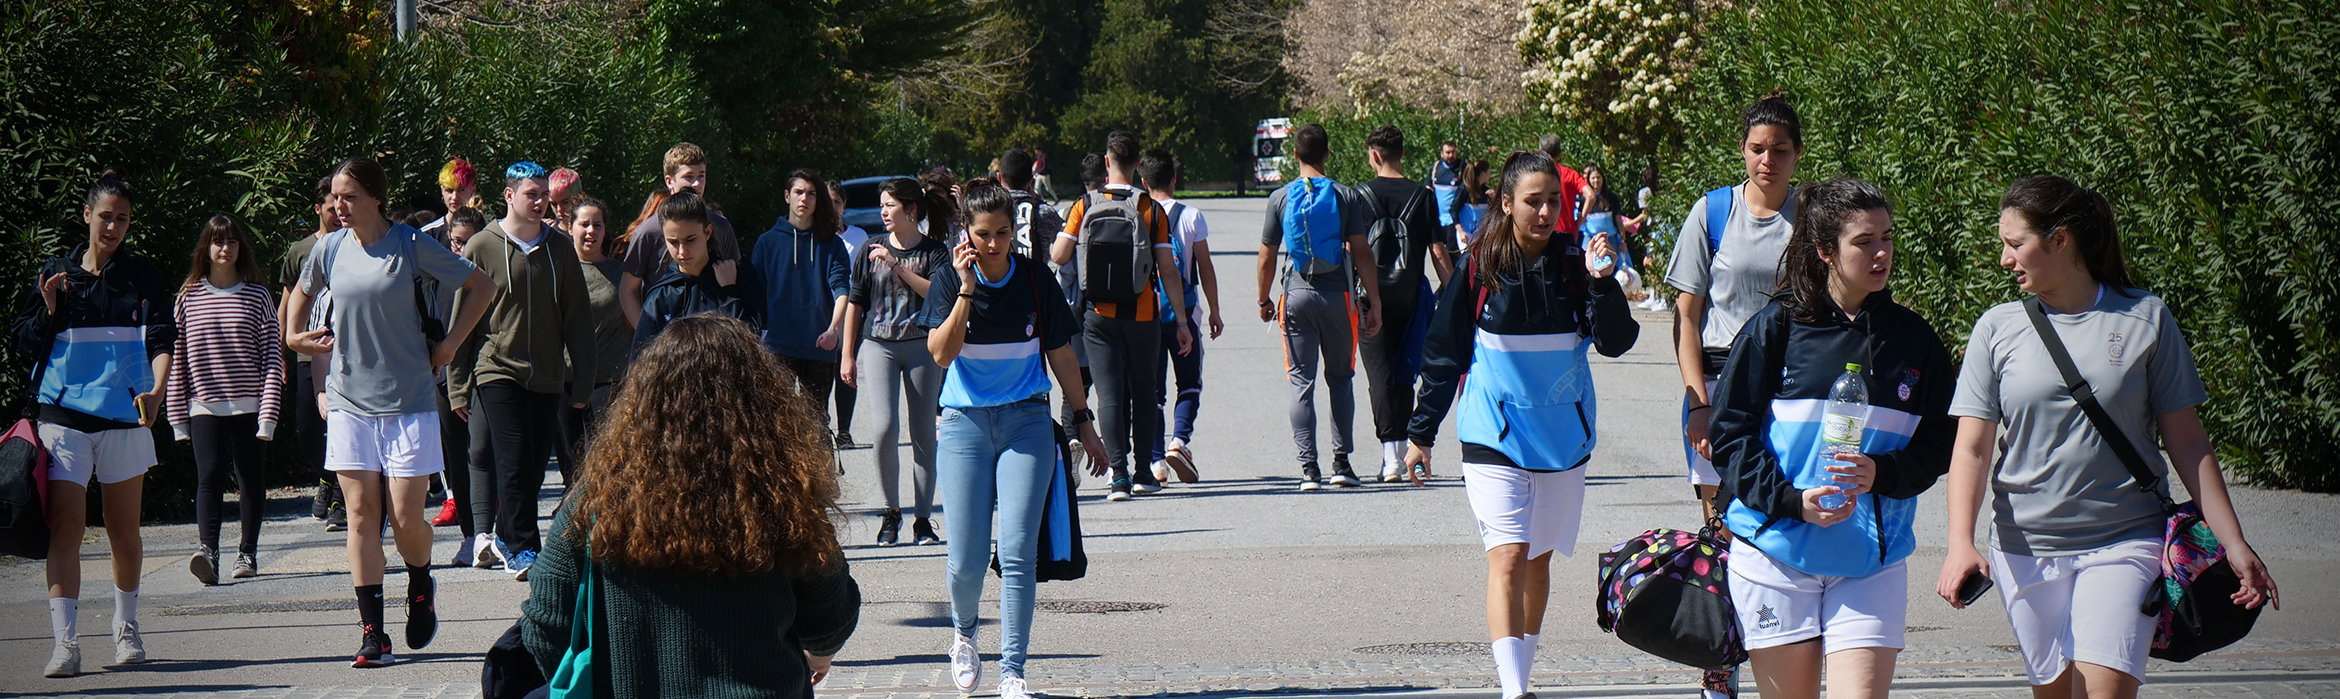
(221, 443)
(523, 425)
(455, 450)
(309, 431)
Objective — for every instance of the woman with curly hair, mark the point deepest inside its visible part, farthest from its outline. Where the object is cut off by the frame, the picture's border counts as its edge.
(705, 515)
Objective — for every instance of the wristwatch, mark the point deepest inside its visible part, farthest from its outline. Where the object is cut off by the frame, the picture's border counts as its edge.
(1079, 417)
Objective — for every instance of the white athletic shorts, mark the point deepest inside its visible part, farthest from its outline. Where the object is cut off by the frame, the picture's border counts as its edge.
(1779, 605)
(112, 456)
(1517, 506)
(2080, 607)
(1701, 470)
(391, 445)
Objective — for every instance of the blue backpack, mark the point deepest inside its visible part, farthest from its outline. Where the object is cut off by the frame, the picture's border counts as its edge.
(1176, 213)
(1718, 216)
(1312, 225)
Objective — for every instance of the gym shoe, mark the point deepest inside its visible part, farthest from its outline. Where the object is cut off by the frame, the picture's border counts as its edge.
(446, 516)
(1147, 486)
(890, 529)
(1341, 475)
(373, 649)
(1180, 459)
(519, 563)
(1719, 684)
(205, 565)
(1079, 460)
(1119, 491)
(64, 661)
(922, 533)
(422, 612)
(845, 441)
(1310, 477)
(247, 566)
(966, 665)
(463, 556)
(484, 555)
(321, 503)
(1012, 687)
(1393, 462)
(337, 518)
(128, 649)
(1161, 469)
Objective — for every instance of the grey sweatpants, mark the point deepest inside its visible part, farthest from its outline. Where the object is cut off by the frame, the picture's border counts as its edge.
(1318, 324)
(898, 376)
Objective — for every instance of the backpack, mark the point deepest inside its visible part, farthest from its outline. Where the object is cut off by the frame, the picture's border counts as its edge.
(1718, 216)
(1186, 273)
(1026, 212)
(1116, 254)
(24, 482)
(1388, 239)
(1312, 225)
(426, 289)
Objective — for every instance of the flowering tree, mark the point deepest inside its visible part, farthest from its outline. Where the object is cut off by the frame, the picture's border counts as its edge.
(1609, 65)
(1429, 54)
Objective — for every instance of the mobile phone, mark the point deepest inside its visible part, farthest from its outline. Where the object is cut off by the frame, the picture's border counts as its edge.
(1973, 587)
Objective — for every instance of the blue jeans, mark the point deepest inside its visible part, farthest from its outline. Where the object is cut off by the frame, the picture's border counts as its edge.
(999, 457)
(1187, 370)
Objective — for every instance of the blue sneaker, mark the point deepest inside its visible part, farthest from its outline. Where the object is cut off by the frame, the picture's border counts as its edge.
(519, 563)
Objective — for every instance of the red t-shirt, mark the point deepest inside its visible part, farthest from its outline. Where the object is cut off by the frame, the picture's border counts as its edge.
(1572, 186)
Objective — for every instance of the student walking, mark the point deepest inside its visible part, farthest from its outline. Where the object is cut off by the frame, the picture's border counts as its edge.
(537, 336)
(1405, 232)
(1516, 319)
(852, 237)
(1122, 241)
(997, 321)
(749, 598)
(2076, 539)
(224, 387)
(458, 190)
(885, 345)
(382, 418)
(1820, 542)
(589, 230)
(471, 510)
(308, 420)
(1321, 226)
(100, 320)
(806, 281)
(1173, 454)
(693, 282)
(645, 259)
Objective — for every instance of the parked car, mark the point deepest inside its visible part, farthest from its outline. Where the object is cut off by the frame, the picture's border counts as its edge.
(861, 202)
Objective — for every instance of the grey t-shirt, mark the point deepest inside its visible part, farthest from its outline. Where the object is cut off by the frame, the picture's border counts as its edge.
(2058, 489)
(381, 362)
(1357, 214)
(1740, 281)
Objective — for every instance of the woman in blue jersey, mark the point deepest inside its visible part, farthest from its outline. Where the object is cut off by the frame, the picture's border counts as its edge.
(999, 323)
(1817, 578)
(1516, 320)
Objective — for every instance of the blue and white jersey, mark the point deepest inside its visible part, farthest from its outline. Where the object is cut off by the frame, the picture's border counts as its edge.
(101, 342)
(1768, 405)
(1013, 323)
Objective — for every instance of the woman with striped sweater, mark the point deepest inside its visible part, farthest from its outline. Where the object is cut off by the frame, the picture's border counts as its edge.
(222, 394)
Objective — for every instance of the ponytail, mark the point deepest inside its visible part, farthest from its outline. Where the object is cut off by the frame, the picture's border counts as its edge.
(1495, 248)
(2054, 205)
(110, 183)
(1821, 211)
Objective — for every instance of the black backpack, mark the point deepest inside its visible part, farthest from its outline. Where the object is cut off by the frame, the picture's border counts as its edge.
(24, 482)
(1389, 238)
(1116, 258)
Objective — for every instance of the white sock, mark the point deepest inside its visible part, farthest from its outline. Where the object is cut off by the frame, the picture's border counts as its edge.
(1527, 660)
(64, 618)
(1510, 671)
(1393, 454)
(1533, 640)
(125, 608)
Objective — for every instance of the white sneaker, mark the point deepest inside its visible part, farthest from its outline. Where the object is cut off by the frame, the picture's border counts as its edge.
(1012, 687)
(1393, 462)
(1161, 472)
(966, 665)
(128, 649)
(1079, 461)
(483, 552)
(65, 661)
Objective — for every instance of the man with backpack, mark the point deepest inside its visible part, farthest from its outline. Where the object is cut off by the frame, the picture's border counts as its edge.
(1037, 223)
(1117, 238)
(1405, 228)
(1190, 244)
(1320, 225)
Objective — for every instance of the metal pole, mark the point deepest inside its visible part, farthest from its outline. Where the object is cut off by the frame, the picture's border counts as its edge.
(405, 20)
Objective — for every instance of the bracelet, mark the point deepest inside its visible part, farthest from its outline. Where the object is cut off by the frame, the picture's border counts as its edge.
(966, 294)
(1694, 409)
(1265, 303)
(1079, 417)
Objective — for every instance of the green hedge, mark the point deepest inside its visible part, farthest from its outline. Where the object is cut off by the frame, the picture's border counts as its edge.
(2211, 124)
(1481, 136)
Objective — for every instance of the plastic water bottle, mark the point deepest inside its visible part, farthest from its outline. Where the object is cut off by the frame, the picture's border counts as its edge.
(1842, 425)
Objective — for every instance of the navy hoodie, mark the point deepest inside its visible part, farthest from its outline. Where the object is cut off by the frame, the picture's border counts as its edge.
(804, 274)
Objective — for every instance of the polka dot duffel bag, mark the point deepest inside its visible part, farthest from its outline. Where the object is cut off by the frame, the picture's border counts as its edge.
(1665, 593)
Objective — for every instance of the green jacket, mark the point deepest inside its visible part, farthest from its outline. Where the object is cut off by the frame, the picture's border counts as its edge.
(539, 330)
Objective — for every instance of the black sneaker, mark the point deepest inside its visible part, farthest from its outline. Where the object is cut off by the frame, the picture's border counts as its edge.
(922, 533)
(422, 612)
(1310, 477)
(337, 519)
(1119, 491)
(1342, 476)
(890, 529)
(247, 566)
(845, 441)
(373, 649)
(205, 565)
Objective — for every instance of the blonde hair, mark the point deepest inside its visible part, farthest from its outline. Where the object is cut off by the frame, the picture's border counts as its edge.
(685, 153)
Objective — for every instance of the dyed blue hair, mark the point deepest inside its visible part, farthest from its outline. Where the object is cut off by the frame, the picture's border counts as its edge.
(524, 170)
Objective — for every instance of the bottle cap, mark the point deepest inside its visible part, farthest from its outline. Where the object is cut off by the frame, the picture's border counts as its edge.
(1855, 368)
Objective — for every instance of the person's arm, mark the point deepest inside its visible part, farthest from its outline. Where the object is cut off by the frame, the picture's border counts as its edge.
(576, 324)
(1742, 455)
(840, 279)
(630, 297)
(1175, 288)
(175, 388)
(1446, 355)
(945, 317)
(1970, 461)
(1061, 251)
(1361, 259)
(1206, 275)
(267, 353)
(1267, 283)
(1613, 328)
(162, 335)
(851, 346)
(2196, 465)
(478, 290)
(1904, 473)
(918, 283)
(828, 609)
(1066, 366)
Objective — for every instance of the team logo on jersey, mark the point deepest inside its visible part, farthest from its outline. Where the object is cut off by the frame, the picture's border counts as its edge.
(1909, 379)
(1031, 322)
(1766, 617)
(2116, 345)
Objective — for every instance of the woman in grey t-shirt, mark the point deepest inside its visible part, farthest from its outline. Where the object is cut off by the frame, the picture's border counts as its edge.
(2075, 541)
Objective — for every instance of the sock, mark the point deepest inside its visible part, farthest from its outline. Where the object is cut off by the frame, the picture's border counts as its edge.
(1509, 671)
(125, 608)
(1393, 454)
(1527, 660)
(1533, 640)
(64, 618)
(369, 599)
(418, 579)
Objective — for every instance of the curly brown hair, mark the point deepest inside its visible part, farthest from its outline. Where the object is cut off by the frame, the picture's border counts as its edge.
(709, 463)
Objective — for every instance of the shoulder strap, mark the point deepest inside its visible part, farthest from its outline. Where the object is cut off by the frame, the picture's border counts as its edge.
(1718, 217)
(2085, 395)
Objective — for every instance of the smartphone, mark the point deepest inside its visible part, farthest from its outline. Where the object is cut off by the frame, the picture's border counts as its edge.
(1972, 588)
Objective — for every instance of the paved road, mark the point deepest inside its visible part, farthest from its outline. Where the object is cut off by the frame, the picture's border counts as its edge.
(1259, 587)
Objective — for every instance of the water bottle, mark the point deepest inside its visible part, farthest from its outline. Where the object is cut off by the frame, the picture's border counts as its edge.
(1842, 425)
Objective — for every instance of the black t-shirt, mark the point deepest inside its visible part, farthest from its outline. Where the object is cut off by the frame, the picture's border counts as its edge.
(1011, 324)
(1391, 194)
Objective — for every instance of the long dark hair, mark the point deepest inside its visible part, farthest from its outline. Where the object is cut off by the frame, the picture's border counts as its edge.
(930, 204)
(1605, 199)
(710, 464)
(1773, 110)
(826, 220)
(1496, 247)
(247, 259)
(1821, 211)
(110, 182)
(2054, 205)
(984, 196)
